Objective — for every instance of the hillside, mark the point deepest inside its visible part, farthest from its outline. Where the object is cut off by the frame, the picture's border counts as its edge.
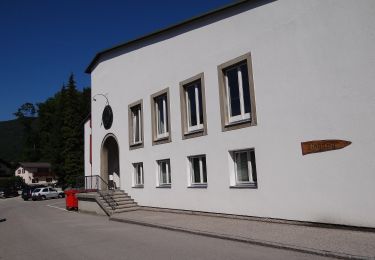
(11, 140)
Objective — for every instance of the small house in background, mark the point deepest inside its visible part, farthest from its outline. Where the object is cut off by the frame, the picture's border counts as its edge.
(36, 173)
(5, 169)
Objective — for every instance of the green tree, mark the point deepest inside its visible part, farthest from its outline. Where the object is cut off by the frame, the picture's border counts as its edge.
(26, 115)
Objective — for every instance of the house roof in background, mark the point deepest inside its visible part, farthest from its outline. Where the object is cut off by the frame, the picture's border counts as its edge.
(95, 61)
(35, 164)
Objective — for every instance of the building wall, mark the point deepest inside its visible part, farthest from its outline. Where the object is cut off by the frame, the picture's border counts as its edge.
(313, 67)
(87, 133)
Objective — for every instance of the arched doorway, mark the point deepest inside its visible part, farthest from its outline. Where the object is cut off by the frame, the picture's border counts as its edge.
(110, 165)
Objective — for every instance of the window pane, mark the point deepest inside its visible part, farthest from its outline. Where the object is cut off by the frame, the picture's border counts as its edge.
(192, 106)
(163, 169)
(242, 167)
(196, 171)
(200, 103)
(204, 170)
(234, 94)
(160, 115)
(245, 86)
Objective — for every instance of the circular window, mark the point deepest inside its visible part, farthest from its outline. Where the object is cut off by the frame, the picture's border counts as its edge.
(107, 117)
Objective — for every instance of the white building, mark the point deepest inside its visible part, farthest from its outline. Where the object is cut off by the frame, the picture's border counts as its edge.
(209, 115)
(36, 173)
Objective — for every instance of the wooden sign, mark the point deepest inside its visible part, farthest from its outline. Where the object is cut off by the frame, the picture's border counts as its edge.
(323, 146)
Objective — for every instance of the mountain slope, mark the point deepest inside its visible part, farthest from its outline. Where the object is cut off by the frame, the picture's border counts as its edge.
(11, 140)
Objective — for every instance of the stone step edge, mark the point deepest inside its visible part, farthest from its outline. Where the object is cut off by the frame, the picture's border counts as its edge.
(313, 251)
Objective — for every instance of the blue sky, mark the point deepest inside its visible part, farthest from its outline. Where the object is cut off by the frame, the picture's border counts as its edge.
(43, 41)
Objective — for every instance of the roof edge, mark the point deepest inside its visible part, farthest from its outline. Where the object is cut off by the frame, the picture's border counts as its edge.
(94, 61)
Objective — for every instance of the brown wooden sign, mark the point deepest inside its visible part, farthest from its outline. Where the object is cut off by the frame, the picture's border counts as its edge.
(323, 146)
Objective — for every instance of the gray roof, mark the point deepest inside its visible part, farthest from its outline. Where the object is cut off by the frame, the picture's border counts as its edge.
(132, 43)
(35, 164)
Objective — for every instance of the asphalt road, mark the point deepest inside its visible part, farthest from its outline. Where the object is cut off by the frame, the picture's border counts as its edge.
(41, 230)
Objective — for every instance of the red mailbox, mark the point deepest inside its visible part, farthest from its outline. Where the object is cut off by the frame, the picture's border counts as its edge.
(71, 199)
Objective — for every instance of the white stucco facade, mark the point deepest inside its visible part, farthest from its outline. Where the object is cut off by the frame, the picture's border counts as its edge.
(314, 71)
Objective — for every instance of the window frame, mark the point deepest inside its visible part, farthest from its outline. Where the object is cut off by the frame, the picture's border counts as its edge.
(167, 137)
(132, 144)
(192, 183)
(135, 175)
(251, 166)
(160, 184)
(193, 132)
(228, 122)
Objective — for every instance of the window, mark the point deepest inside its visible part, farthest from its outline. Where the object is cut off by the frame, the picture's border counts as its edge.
(164, 173)
(243, 168)
(160, 117)
(193, 108)
(198, 171)
(23, 170)
(135, 115)
(237, 101)
(48, 179)
(138, 175)
(35, 180)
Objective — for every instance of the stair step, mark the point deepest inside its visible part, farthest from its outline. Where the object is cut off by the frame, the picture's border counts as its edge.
(126, 206)
(124, 202)
(125, 209)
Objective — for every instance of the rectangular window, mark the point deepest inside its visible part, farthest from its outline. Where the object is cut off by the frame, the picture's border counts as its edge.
(48, 179)
(244, 168)
(138, 175)
(198, 171)
(135, 125)
(237, 101)
(193, 110)
(164, 173)
(160, 117)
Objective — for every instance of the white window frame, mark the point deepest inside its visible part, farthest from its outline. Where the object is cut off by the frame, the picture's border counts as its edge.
(165, 130)
(191, 171)
(235, 181)
(136, 168)
(249, 167)
(168, 173)
(134, 123)
(197, 89)
(243, 115)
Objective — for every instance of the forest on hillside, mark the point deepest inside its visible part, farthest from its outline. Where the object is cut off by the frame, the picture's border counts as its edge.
(52, 131)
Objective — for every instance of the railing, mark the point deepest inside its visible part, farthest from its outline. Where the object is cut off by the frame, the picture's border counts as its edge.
(96, 183)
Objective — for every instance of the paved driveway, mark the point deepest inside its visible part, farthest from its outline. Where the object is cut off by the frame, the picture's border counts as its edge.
(44, 230)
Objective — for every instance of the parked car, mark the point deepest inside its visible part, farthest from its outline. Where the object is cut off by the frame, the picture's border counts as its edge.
(44, 193)
(28, 190)
(8, 192)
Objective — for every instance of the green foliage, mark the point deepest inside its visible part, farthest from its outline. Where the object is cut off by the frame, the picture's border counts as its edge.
(58, 135)
(12, 139)
(13, 182)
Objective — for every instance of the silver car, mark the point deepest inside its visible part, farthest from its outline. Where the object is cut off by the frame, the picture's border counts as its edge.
(44, 193)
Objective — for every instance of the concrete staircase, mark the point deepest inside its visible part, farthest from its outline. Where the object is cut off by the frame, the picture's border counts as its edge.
(116, 201)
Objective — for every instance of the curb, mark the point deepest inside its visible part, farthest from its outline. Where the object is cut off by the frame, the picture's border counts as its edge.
(244, 239)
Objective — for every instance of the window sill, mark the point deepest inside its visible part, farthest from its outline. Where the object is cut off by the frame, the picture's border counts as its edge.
(162, 186)
(238, 124)
(162, 140)
(244, 186)
(194, 133)
(136, 145)
(139, 186)
(198, 186)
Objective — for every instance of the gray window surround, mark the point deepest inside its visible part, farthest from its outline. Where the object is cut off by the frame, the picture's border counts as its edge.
(245, 185)
(225, 124)
(184, 121)
(155, 140)
(132, 145)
